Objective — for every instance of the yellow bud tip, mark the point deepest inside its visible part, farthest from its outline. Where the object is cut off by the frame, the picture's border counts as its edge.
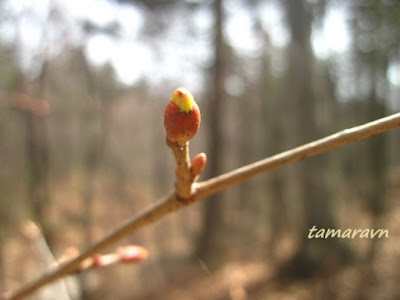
(184, 99)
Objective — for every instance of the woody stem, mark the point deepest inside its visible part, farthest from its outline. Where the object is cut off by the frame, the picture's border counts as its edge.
(184, 180)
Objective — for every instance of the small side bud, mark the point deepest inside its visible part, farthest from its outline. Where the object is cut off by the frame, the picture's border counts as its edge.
(40, 108)
(198, 164)
(69, 254)
(97, 260)
(132, 253)
(22, 102)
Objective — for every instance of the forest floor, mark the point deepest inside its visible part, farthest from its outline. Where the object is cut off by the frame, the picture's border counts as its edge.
(259, 280)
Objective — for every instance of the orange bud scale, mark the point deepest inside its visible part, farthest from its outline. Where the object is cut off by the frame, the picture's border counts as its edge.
(181, 126)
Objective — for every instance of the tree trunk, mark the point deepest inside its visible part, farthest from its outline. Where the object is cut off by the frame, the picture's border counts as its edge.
(37, 157)
(312, 190)
(2, 266)
(208, 243)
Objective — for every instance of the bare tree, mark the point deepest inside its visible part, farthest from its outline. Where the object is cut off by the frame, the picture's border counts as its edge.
(212, 219)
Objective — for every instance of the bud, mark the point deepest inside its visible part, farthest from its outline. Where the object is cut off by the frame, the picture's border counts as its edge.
(97, 260)
(71, 253)
(40, 108)
(132, 253)
(181, 117)
(22, 102)
(198, 164)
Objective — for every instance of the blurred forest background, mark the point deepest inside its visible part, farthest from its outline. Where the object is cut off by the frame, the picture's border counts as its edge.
(83, 87)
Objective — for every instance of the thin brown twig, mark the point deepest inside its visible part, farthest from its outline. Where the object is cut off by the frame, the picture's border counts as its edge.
(206, 188)
(218, 183)
(183, 176)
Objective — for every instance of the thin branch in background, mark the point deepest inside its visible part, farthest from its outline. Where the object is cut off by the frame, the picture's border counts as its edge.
(33, 233)
(125, 254)
(206, 188)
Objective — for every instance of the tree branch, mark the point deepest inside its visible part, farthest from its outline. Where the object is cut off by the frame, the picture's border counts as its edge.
(211, 186)
(216, 184)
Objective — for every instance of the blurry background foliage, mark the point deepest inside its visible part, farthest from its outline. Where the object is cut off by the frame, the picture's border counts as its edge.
(268, 75)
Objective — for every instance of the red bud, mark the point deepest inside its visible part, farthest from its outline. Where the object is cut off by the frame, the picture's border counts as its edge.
(40, 108)
(198, 164)
(97, 260)
(22, 101)
(182, 117)
(132, 253)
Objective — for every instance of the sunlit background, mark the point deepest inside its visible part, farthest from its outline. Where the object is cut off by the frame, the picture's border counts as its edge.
(82, 146)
